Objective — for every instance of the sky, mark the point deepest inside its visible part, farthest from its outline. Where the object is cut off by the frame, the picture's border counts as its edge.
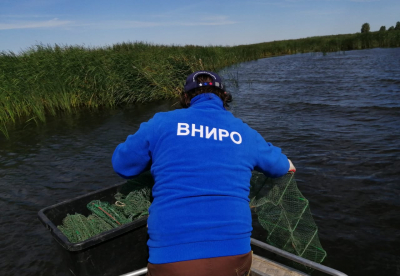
(25, 23)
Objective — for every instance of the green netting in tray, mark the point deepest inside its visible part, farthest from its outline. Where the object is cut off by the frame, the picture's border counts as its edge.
(132, 202)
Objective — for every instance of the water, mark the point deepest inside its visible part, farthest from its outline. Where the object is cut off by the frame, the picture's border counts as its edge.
(336, 116)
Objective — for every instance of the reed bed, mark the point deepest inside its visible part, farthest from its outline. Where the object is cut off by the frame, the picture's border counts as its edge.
(44, 80)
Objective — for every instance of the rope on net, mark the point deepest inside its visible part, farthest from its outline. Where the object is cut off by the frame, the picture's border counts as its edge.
(106, 216)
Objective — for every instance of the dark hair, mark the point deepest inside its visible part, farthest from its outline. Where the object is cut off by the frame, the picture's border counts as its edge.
(186, 97)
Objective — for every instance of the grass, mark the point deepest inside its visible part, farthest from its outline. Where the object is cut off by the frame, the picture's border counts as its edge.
(44, 80)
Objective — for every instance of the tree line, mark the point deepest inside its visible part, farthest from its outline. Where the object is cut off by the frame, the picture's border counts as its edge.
(365, 28)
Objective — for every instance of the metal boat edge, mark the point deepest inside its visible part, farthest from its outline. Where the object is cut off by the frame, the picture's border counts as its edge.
(264, 267)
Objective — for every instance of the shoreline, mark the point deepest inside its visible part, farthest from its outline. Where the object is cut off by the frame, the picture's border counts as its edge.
(46, 80)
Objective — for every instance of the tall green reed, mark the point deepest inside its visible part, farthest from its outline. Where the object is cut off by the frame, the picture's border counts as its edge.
(44, 80)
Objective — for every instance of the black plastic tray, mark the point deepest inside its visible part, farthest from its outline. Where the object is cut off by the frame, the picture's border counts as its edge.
(114, 252)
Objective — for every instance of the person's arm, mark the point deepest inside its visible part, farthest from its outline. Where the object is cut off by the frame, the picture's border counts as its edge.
(133, 156)
(270, 160)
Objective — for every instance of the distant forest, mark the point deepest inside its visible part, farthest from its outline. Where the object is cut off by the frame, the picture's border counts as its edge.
(365, 28)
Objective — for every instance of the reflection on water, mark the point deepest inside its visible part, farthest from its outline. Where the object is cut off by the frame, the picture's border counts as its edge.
(335, 116)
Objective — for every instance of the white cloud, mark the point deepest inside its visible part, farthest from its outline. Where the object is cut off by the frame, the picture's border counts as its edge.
(365, 1)
(121, 24)
(177, 11)
(128, 24)
(207, 21)
(34, 24)
(114, 24)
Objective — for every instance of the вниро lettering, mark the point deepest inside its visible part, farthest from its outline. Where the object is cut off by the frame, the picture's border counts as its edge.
(206, 132)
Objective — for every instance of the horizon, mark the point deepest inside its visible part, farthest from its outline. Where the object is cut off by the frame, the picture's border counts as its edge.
(27, 23)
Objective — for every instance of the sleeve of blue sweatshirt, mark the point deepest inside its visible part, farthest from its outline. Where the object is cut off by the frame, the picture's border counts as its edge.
(270, 160)
(133, 156)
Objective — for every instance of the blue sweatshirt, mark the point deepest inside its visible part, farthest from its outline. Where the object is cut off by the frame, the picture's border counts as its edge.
(201, 159)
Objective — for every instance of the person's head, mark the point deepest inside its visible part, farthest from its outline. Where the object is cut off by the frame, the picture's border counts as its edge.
(201, 82)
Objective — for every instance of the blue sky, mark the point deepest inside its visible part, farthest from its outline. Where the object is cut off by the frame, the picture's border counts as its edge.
(24, 23)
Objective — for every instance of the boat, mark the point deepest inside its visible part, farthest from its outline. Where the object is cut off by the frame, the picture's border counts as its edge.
(262, 266)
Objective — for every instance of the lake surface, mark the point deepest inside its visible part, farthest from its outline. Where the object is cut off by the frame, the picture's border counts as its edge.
(336, 116)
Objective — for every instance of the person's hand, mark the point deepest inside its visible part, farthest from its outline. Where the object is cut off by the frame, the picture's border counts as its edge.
(292, 168)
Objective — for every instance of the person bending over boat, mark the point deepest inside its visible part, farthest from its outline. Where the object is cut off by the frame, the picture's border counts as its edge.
(201, 158)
